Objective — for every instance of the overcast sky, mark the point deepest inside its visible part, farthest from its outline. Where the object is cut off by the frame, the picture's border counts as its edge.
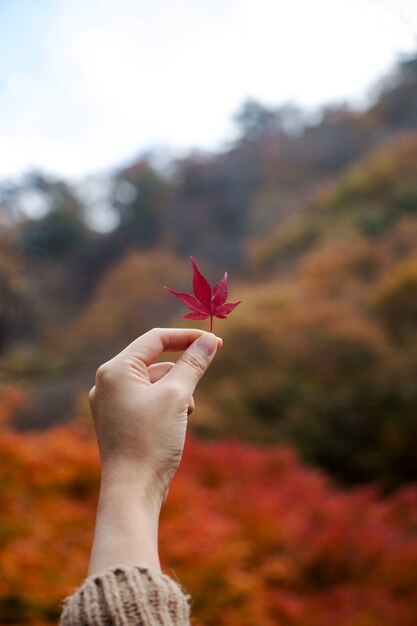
(87, 84)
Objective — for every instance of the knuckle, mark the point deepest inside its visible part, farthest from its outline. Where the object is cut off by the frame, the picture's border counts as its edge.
(104, 374)
(136, 364)
(194, 362)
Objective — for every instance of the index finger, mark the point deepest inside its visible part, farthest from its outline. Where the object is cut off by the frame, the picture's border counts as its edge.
(149, 347)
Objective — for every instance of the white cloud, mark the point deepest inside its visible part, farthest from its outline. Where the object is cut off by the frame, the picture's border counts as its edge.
(119, 75)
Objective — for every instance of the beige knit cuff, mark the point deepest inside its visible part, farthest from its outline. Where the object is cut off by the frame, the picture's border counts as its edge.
(125, 596)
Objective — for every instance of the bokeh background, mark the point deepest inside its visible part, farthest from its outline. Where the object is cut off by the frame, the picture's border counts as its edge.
(274, 140)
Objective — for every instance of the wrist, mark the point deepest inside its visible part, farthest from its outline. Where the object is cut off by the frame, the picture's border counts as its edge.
(131, 495)
(133, 484)
(126, 531)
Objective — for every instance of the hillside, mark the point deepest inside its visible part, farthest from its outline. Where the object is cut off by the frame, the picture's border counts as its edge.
(328, 360)
(316, 224)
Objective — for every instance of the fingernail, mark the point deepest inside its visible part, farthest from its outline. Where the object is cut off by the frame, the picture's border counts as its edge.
(207, 343)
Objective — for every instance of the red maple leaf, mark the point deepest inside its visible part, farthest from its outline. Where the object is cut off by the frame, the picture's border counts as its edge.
(207, 301)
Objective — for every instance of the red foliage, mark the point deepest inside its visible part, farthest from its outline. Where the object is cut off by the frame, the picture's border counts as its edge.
(254, 536)
(259, 539)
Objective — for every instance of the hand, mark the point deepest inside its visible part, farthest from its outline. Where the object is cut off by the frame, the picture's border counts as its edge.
(140, 409)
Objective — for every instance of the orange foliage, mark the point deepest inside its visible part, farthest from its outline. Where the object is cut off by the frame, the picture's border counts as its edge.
(344, 269)
(48, 482)
(11, 400)
(254, 536)
(130, 298)
(396, 299)
(383, 174)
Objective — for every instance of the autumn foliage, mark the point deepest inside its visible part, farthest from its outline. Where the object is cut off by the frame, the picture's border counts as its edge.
(318, 229)
(252, 534)
(323, 352)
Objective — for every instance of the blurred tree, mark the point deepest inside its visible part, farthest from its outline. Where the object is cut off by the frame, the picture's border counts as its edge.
(52, 237)
(10, 213)
(128, 300)
(61, 230)
(254, 120)
(396, 300)
(19, 311)
(336, 140)
(396, 105)
(208, 216)
(141, 197)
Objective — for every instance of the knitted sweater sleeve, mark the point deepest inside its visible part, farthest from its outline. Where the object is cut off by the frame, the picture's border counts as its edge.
(127, 596)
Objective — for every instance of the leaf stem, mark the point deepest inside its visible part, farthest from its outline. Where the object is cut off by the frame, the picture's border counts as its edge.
(211, 323)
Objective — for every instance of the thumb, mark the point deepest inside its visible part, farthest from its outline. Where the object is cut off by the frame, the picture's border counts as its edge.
(194, 362)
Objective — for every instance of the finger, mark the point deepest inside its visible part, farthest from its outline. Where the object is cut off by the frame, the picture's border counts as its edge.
(191, 406)
(149, 347)
(193, 363)
(158, 370)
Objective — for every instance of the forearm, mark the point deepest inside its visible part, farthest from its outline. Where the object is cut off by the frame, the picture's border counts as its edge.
(126, 532)
(140, 410)
(125, 582)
